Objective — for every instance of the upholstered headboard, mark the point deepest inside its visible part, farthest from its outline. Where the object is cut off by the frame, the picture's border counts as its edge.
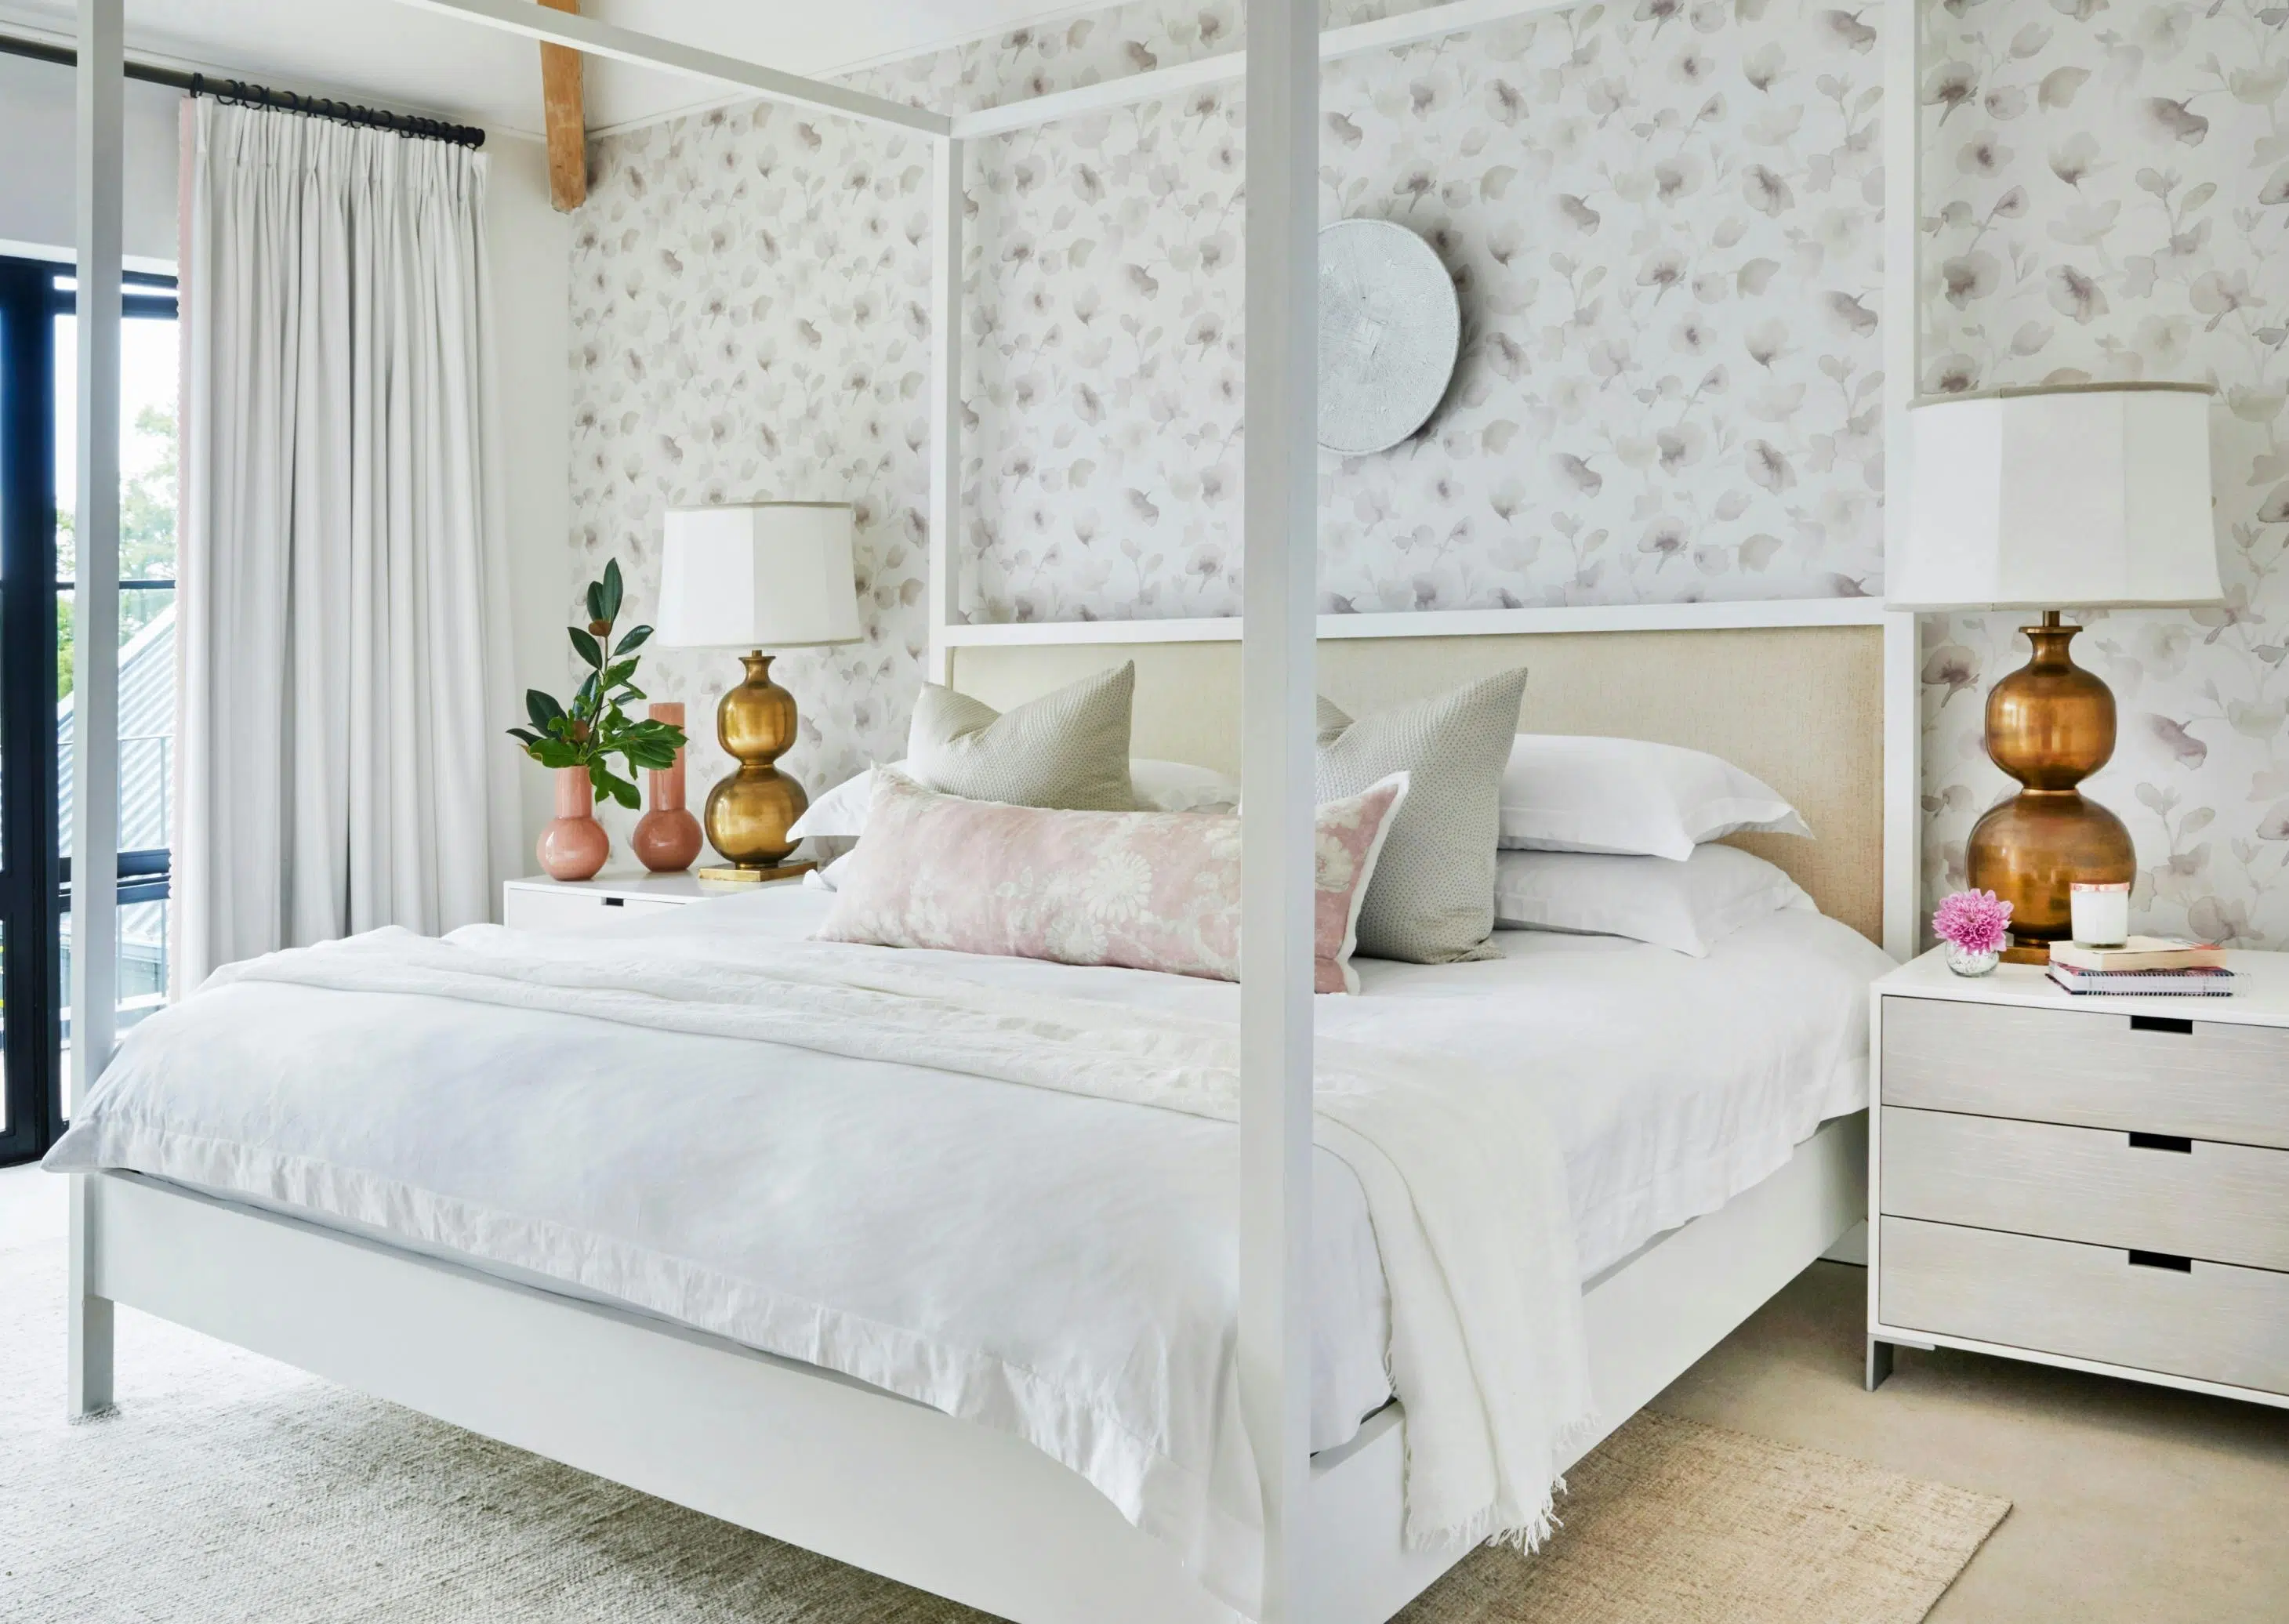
(1802, 707)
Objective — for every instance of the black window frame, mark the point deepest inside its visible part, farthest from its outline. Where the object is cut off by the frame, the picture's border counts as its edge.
(35, 878)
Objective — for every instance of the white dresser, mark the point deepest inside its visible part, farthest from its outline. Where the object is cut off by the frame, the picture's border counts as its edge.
(2099, 1182)
(542, 904)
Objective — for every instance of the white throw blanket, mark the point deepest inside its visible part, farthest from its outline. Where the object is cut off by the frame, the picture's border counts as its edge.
(1466, 1189)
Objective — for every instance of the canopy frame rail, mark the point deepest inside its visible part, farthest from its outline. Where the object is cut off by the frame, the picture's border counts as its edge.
(604, 39)
(1231, 67)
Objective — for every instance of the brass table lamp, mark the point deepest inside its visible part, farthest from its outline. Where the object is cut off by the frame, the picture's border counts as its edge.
(2087, 495)
(769, 575)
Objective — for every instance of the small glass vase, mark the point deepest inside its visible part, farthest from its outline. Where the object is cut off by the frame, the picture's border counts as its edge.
(1965, 962)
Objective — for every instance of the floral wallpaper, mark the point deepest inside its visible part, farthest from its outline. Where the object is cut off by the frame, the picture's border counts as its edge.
(1663, 223)
(1664, 230)
(2106, 195)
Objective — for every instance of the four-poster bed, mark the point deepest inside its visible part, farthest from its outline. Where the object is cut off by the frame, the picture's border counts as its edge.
(861, 1474)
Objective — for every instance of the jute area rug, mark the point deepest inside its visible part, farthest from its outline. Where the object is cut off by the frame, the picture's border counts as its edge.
(231, 1488)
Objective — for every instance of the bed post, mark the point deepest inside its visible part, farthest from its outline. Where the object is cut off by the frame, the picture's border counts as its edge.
(1902, 368)
(88, 1316)
(1278, 659)
(95, 701)
(99, 142)
(945, 583)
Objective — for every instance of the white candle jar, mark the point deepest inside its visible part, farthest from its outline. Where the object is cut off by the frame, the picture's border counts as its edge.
(2101, 913)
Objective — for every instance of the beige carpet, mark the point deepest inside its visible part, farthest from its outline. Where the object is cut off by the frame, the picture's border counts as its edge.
(232, 1488)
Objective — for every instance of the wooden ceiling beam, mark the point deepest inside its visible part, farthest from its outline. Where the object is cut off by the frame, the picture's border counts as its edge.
(565, 115)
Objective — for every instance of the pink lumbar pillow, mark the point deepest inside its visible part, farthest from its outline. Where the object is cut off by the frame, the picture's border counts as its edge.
(1145, 890)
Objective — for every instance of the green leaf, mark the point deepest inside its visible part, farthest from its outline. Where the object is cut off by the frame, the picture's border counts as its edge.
(618, 673)
(612, 590)
(596, 601)
(555, 752)
(583, 645)
(540, 707)
(636, 637)
(610, 782)
(525, 734)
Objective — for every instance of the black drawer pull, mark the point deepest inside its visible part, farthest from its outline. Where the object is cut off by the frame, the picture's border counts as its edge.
(2179, 1024)
(2162, 1260)
(616, 901)
(2162, 1142)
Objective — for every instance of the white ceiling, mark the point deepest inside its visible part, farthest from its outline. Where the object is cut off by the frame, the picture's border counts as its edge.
(418, 61)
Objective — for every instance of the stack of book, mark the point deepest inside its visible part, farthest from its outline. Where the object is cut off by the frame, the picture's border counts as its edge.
(2143, 965)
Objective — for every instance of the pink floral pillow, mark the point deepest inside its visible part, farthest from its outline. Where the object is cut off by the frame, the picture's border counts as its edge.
(1146, 890)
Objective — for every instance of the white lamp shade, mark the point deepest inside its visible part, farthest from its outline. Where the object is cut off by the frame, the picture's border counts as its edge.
(772, 575)
(2083, 496)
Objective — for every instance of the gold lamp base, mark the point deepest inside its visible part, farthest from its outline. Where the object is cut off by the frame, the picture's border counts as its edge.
(726, 874)
(751, 810)
(2050, 725)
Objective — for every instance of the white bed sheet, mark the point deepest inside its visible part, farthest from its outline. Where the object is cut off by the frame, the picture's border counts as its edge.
(1101, 1247)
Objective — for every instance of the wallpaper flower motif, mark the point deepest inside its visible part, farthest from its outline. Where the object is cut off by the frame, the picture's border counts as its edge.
(1663, 224)
(2107, 196)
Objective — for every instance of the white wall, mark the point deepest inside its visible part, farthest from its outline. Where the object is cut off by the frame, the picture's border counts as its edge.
(531, 265)
(37, 175)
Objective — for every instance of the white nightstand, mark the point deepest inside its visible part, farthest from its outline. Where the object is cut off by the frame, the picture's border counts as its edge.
(542, 904)
(2099, 1183)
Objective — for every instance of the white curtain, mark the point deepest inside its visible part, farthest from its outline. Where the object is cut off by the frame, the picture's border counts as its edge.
(343, 633)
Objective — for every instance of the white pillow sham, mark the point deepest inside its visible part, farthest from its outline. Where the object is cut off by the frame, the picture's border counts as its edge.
(1630, 797)
(1161, 786)
(1685, 906)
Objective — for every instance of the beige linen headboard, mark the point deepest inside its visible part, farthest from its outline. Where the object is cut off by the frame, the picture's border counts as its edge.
(1802, 707)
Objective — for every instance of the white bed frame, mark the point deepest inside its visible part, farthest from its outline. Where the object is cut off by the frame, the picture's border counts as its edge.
(830, 1463)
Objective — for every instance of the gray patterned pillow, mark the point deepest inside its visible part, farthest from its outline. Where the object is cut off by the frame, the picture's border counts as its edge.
(1431, 900)
(1067, 750)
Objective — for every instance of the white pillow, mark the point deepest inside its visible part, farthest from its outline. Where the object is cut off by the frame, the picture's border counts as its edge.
(1161, 786)
(1179, 786)
(1563, 793)
(829, 875)
(1682, 905)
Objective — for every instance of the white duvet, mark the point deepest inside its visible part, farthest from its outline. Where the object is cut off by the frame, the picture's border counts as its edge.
(1053, 1261)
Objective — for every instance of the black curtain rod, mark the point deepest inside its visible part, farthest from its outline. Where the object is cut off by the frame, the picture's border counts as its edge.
(232, 93)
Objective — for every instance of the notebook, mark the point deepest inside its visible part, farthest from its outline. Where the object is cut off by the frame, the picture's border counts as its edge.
(2200, 982)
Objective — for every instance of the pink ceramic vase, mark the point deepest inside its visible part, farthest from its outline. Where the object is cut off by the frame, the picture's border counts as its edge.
(666, 839)
(574, 846)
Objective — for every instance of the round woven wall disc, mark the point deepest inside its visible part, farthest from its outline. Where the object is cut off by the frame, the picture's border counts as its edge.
(1389, 331)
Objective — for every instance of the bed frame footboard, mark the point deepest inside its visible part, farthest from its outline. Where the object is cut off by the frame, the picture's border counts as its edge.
(832, 1464)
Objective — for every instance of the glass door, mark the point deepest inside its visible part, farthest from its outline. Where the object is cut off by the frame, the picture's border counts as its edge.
(38, 653)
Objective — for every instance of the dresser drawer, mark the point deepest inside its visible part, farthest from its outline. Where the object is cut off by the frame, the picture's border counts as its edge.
(532, 908)
(653, 904)
(2089, 1068)
(2226, 1203)
(2211, 1322)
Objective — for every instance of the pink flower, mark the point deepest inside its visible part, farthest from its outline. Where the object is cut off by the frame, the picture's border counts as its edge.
(1976, 921)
